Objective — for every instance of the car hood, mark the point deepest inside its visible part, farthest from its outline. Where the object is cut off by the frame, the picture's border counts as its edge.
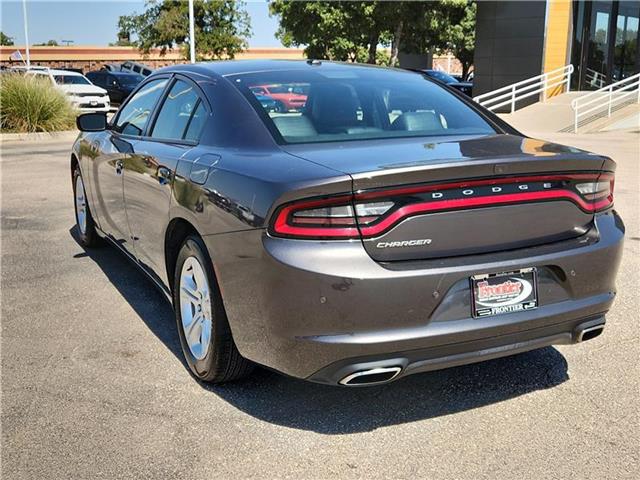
(83, 89)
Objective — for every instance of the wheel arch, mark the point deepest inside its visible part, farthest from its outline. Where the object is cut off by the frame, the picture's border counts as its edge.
(178, 229)
(74, 162)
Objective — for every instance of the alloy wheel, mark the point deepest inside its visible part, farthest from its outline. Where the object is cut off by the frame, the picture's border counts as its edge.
(195, 307)
(81, 206)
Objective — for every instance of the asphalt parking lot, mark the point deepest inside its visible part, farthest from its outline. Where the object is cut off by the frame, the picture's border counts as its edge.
(93, 384)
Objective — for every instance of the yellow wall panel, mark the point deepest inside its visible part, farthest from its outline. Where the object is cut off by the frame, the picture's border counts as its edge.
(557, 38)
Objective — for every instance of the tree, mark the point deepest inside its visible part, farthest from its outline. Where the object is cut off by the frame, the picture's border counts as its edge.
(353, 30)
(221, 27)
(330, 30)
(342, 30)
(5, 40)
(50, 43)
(459, 34)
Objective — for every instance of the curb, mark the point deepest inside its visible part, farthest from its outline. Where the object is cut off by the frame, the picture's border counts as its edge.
(35, 136)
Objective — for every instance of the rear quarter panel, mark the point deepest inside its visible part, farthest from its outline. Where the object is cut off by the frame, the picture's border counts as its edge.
(242, 189)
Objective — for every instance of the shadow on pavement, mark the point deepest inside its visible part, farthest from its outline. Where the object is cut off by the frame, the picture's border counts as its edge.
(293, 403)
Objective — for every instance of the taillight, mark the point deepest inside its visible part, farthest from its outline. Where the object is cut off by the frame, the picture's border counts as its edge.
(330, 217)
(371, 213)
(598, 192)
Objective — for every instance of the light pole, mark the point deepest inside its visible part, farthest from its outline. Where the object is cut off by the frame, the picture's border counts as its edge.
(192, 36)
(26, 31)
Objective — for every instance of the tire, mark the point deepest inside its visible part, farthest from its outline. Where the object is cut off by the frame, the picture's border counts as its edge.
(209, 348)
(85, 225)
(280, 108)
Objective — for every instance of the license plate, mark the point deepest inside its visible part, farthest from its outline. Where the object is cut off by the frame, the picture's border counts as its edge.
(500, 293)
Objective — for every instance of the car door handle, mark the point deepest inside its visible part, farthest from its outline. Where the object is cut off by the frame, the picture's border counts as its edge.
(119, 167)
(164, 175)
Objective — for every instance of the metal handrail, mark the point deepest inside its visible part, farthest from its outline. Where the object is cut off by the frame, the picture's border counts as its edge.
(605, 97)
(515, 92)
(595, 78)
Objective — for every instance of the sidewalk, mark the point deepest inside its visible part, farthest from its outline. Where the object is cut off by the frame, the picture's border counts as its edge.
(38, 136)
(556, 115)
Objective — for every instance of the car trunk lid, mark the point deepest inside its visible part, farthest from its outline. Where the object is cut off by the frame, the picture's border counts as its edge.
(418, 200)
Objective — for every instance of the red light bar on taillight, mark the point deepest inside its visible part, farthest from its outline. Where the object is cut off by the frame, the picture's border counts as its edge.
(323, 218)
(371, 213)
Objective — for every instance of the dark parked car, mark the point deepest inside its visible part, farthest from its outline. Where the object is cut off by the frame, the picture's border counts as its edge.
(390, 228)
(449, 80)
(117, 84)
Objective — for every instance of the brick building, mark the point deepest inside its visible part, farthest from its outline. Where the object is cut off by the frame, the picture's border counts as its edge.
(88, 58)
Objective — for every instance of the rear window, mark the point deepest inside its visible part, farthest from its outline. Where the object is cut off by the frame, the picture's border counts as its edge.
(356, 103)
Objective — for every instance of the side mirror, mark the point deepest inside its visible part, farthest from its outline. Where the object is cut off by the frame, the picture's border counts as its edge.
(92, 122)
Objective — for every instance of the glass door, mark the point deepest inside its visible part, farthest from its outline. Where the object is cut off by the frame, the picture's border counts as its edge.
(596, 66)
(625, 53)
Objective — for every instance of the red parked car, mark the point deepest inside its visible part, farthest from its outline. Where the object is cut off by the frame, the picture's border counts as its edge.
(287, 97)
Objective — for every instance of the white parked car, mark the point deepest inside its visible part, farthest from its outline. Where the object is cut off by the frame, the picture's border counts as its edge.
(83, 94)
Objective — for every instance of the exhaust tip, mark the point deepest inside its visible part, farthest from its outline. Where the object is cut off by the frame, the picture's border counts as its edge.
(590, 332)
(371, 376)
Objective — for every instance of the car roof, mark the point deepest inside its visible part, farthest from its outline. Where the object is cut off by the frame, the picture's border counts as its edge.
(237, 67)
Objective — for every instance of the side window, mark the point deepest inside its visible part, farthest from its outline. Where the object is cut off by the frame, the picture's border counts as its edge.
(196, 123)
(178, 109)
(136, 68)
(134, 116)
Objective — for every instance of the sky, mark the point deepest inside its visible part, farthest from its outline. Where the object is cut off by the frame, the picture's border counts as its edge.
(94, 22)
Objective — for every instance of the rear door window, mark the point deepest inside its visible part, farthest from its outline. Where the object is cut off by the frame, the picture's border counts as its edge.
(134, 116)
(196, 124)
(181, 112)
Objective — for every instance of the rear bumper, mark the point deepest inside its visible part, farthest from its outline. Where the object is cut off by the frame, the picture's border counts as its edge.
(452, 355)
(320, 310)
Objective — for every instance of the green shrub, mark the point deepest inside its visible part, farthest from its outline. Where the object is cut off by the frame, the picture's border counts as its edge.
(30, 104)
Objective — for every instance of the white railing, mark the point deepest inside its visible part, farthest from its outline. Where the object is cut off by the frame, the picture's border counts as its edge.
(511, 94)
(605, 97)
(595, 78)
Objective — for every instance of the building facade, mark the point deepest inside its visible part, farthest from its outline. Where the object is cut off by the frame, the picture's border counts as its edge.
(519, 40)
(605, 41)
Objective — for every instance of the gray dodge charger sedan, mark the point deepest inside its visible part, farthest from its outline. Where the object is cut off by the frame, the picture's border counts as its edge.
(380, 225)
